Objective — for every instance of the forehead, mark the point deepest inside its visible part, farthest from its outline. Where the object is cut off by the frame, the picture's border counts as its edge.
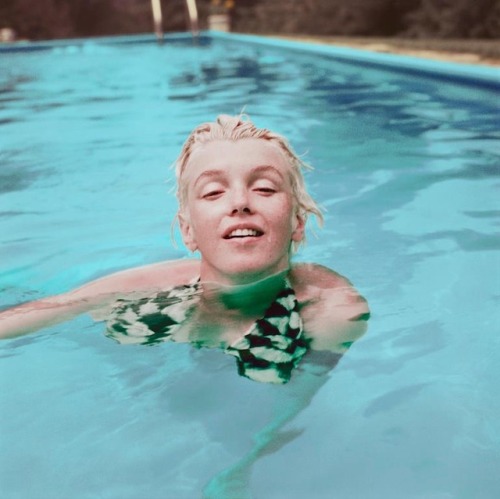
(235, 155)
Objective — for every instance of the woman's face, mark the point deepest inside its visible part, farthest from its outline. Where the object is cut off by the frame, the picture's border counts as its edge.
(239, 210)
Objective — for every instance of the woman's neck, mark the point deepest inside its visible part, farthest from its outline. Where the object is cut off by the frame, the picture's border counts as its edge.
(247, 299)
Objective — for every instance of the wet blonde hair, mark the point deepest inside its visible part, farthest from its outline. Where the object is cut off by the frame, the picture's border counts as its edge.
(240, 127)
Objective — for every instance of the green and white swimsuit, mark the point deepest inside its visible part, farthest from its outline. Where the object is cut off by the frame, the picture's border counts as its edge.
(269, 351)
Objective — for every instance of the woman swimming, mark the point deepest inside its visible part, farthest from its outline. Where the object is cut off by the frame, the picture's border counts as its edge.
(243, 206)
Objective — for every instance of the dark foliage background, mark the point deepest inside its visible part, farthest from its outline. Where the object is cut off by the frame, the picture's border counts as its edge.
(46, 19)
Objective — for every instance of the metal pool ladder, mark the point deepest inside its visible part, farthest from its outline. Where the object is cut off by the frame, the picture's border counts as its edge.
(158, 20)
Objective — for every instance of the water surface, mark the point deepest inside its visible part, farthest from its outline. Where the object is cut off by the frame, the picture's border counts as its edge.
(407, 168)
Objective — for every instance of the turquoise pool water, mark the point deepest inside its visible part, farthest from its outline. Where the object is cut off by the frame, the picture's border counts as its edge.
(406, 163)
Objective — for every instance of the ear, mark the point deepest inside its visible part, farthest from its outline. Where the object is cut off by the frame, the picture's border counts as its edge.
(187, 233)
(299, 224)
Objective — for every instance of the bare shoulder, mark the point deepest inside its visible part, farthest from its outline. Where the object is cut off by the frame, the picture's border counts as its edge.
(313, 282)
(333, 311)
(153, 277)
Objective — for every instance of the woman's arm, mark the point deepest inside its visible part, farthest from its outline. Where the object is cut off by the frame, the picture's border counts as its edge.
(32, 316)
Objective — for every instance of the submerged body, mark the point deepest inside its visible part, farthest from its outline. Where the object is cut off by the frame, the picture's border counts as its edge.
(332, 313)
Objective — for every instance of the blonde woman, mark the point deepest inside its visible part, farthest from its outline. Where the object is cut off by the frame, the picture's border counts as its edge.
(243, 206)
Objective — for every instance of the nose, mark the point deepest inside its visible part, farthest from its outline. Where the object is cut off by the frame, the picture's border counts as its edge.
(240, 202)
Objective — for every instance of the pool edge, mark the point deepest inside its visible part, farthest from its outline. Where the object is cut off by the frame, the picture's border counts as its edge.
(486, 75)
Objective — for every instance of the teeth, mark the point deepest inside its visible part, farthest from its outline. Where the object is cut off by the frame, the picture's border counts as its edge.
(243, 233)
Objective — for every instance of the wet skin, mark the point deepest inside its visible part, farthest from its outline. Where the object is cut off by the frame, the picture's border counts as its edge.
(240, 215)
(240, 211)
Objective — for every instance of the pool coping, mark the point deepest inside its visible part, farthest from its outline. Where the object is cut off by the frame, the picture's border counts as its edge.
(488, 76)
(466, 73)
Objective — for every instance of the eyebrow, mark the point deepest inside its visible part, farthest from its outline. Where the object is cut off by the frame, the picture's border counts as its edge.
(258, 169)
(208, 174)
(267, 168)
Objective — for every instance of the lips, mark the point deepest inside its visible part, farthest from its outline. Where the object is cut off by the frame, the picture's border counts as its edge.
(241, 232)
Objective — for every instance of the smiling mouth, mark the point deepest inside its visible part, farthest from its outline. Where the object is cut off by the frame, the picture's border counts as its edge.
(239, 233)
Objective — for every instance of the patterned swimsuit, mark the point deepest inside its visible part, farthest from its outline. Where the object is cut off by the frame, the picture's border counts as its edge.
(268, 352)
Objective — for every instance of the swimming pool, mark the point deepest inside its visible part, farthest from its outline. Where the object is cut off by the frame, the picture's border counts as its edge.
(406, 163)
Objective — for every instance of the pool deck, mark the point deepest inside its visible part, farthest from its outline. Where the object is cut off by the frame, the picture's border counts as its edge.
(483, 52)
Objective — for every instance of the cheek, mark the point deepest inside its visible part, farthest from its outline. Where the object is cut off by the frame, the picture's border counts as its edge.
(203, 222)
(287, 211)
(284, 224)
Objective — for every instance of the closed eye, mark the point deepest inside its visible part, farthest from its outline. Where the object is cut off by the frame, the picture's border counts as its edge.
(213, 194)
(265, 190)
